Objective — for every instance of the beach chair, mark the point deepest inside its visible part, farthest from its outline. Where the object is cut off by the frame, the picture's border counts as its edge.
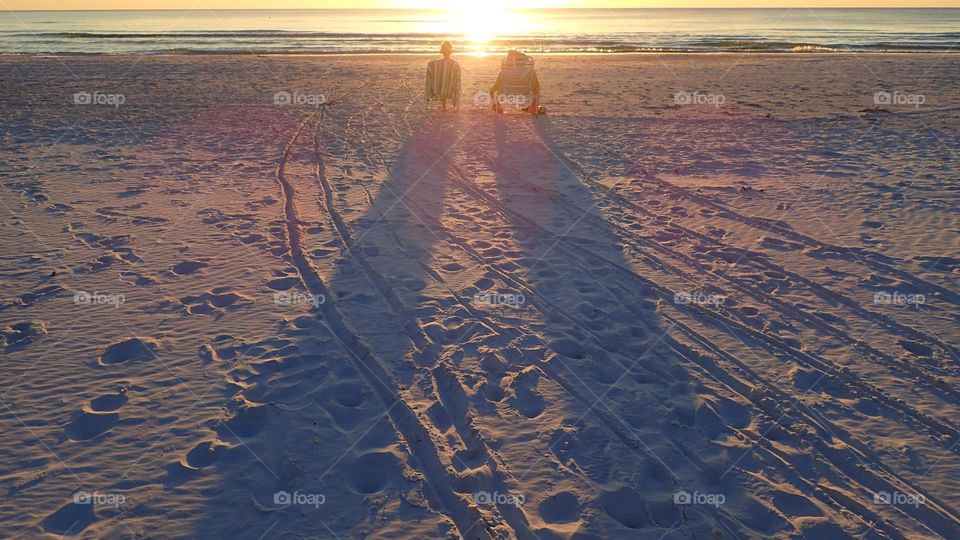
(517, 86)
(443, 81)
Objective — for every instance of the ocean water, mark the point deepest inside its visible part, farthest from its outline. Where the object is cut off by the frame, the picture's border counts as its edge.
(795, 30)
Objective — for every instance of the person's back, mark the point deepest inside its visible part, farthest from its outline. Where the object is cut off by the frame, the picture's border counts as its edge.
(443, 78)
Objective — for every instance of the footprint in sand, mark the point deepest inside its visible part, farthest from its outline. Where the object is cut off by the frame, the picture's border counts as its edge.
(203, 455)
(796, 505)
(469, 458)
(59, 208)
(526, 398)
(247, 422)
(87, 425)
(283, 283)
(562, 507)
(188, 267)
(109, 402)
(137, 278)
(918, 349)
(371, 472)
(97, 418)
(148, 220)
(218, 299)
(43, 293)
(70, 519)
(627, 507)
(21, 334)
(129, 350)
(253, 238)
(349, 394)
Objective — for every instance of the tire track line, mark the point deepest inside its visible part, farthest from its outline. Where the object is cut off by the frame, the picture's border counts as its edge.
(892, 402)
(510, 514)
(415, 436)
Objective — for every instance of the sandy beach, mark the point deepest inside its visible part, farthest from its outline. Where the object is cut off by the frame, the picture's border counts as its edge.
(705, 296)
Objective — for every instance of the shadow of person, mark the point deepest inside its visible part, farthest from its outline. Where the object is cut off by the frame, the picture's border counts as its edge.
(394, 375)
(319, 426)
(388, 252)
(609, 348)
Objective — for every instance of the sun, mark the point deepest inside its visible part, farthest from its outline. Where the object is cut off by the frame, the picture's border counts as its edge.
(480, 23)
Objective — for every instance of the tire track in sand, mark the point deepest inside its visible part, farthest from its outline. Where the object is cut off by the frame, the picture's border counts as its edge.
(467, 518)
(442, 377)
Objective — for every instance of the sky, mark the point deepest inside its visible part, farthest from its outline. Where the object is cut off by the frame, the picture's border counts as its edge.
(320, 4)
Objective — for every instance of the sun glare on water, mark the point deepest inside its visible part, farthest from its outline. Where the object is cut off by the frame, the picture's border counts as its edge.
(481, 23)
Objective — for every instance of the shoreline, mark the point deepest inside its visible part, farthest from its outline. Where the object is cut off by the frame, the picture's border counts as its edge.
(786, 54)
(833, 54)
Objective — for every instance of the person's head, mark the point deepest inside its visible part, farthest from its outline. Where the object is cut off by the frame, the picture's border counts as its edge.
(446, 49)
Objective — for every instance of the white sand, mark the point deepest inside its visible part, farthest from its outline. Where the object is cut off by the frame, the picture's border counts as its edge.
(403, 314)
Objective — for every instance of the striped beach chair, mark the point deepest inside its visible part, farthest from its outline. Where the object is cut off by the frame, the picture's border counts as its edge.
(517, 86)
(443, 80)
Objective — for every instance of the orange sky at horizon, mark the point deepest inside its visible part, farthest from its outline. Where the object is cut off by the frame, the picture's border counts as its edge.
(517, 4)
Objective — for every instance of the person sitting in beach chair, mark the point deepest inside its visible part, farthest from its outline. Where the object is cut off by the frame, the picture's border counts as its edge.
(517, 84)
(443, 79)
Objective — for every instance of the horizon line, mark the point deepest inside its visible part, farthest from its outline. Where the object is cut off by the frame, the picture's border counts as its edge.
(905, 7)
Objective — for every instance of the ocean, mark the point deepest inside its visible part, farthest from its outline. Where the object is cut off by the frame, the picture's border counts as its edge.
(478, 31)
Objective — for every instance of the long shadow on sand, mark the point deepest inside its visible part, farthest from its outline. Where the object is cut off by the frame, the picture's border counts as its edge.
(316, 432)
(365, 402)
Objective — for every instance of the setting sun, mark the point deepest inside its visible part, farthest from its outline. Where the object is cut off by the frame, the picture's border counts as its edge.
(480, 23)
